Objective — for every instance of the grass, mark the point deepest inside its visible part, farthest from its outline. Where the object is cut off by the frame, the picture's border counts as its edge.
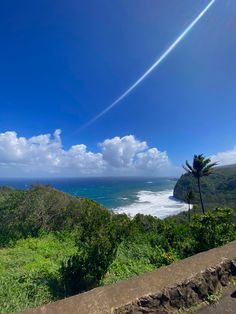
(29, 271)
(133, 259)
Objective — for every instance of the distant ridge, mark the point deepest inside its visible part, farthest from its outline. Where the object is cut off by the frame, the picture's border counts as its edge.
(219, 189)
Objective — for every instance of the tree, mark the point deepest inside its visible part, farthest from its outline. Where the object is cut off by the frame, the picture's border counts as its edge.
(189, 197)
(201, 167)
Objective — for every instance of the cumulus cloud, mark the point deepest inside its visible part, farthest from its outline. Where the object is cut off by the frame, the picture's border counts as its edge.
(121, 151)
(152, 159)
(225, 158)
(128, 155)
(44, 155)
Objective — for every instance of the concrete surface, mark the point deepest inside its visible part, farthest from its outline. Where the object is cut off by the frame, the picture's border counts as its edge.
(226, 304)
(107, 299)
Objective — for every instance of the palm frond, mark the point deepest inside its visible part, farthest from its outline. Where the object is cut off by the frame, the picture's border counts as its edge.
(201, 166)
(188, 167)
(209, 169)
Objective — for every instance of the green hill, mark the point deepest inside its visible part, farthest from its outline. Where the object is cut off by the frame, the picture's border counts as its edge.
(40, 209)
(219, 189)
(54, 245)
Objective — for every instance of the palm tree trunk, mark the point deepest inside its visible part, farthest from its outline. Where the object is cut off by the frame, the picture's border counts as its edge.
(200, 193)
(189, 211)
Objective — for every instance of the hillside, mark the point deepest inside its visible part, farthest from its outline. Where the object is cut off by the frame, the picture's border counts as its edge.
(53, 245)
(39, 209)
(219, 189)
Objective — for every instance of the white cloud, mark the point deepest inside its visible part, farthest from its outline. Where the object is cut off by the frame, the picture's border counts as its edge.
(225, 158)
(121, 151)
(128, 155)
(152, 159)
(43, 155)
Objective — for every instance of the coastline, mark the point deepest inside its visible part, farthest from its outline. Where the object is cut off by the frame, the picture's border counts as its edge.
(149, 196)
(159, 204)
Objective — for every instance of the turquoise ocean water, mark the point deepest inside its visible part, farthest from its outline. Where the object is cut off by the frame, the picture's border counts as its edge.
(129, 195)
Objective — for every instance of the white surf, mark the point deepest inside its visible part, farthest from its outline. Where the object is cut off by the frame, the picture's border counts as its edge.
(159, 204)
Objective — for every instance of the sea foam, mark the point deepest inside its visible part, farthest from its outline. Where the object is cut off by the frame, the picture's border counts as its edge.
(160, 204)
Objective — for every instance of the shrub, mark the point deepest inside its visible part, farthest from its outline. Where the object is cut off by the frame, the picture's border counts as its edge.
(212, 229)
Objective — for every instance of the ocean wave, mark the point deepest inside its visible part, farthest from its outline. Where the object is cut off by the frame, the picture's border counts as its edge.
(159, 204)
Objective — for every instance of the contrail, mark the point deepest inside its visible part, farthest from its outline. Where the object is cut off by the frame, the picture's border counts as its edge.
(158, 61)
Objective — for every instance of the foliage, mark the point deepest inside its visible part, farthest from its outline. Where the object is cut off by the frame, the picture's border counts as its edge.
(100, 234)
(201, 167)
(81, 245)
(29, 270)
(219, 189)
(189, 198)
(140, 252)
(213, 298)
(132, 259)
(212, 229)
(26, 213)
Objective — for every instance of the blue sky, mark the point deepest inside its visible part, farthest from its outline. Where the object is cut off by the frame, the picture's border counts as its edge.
(63, 62)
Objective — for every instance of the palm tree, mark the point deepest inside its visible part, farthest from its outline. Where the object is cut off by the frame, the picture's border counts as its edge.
(201, 168)
(189, 197)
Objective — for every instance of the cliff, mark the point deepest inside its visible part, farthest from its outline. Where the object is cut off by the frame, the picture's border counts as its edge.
(219, 189)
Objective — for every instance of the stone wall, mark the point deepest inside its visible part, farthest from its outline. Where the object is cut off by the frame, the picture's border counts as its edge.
(163, 291)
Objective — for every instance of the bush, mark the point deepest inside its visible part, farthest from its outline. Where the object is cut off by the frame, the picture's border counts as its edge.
(100, 233)
(212, 229)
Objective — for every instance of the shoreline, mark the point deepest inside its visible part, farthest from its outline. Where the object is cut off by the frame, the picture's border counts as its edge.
(159, 204)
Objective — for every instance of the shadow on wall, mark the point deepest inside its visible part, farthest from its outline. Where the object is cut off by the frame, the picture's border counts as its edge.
(233, 295)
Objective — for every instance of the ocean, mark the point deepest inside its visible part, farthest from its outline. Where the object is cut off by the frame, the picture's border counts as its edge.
(132, 195)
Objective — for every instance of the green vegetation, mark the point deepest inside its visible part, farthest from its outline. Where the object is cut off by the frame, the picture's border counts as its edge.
(29, 270)
(25, 213)
(189, 198)
(201, 167)
(219, 189)
(100, 233)
(53, 245)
